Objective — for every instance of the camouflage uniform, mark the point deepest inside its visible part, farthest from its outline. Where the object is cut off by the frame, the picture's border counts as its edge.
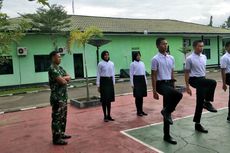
(58, 101)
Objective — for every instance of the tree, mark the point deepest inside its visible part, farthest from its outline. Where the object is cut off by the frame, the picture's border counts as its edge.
(211, 21)
(43, 2)
(226, 24)
(53, 20)
(10, 32)
(82, 38)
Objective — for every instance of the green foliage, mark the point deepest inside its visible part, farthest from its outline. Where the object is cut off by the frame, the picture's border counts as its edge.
(82, 37)
(51, 20)
(43, 2)
(226, 24)
(10, 32)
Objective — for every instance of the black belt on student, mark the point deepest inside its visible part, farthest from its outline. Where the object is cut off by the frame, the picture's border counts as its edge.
(193, 78)
(166, 81)
(103, 77)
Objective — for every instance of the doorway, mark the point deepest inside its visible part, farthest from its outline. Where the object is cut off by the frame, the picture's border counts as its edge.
(78, 66)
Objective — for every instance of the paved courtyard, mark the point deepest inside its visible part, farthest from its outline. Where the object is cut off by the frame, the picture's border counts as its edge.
(29, 131)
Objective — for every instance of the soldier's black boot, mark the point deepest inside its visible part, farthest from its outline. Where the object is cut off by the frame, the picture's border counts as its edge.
(66, 136)
(59, 142)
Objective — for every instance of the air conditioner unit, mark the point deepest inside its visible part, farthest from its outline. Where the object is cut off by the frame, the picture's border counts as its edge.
(62, 50)
(21, 51)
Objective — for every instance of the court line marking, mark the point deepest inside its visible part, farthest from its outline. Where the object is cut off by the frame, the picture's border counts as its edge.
(141, 142)
(124, 132)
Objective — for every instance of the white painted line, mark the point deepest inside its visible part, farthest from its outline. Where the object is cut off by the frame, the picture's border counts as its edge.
(148, 146)
(28, 108)
(151, 147)
(1, 113)
(140, 127)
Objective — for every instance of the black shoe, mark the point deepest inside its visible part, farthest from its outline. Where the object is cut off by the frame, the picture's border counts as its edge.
(106, 119)
(139, 114)
(110, 118)
(209, 107)
(170, 140)
(59, 142)
(143, 113)
(65, 136)
(228, 118)
(200, 128)
(167, 116)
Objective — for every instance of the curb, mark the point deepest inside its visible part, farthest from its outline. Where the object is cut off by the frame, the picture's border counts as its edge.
(23, 109)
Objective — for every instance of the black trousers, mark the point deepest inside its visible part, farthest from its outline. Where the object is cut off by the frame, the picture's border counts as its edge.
(139, 104)
(205, 90)
(171, 98)
(229, 102)
(228, 83)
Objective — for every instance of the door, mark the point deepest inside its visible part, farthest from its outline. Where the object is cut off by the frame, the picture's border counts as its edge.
(78, 65)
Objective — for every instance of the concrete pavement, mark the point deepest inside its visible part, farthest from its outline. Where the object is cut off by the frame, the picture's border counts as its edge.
(29, 131)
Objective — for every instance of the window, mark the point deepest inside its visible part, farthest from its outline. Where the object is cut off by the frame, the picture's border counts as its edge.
(6, 65)
(206, 42)
(42, 63)
(207, 52)
(186, 42)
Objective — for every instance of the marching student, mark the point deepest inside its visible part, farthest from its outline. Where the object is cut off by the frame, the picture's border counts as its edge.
(225, 73)
(138, 82)
(105, 83)
(195, 72)
(163, 83)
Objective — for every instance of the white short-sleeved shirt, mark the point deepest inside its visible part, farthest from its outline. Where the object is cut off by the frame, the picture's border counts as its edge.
(105, 69)
(196, 64)
(137, 68)
(225, 62)
(164, 65)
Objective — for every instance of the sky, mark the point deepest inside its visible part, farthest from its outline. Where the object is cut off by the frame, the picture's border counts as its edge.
(197, 11)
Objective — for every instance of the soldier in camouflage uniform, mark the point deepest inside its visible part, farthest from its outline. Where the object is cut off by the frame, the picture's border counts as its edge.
(58, 79)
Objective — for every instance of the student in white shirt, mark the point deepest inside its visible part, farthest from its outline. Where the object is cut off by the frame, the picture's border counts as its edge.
(225, 73)
(195, 71)
(163, 83)
(138, 82)
(105, 83)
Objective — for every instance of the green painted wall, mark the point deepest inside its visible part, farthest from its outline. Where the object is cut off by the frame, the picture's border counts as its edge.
(120, 52)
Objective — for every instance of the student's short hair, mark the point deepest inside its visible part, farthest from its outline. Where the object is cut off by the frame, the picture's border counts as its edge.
(196, 42)
(53, 53)
(227, 44)
(159, 40)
